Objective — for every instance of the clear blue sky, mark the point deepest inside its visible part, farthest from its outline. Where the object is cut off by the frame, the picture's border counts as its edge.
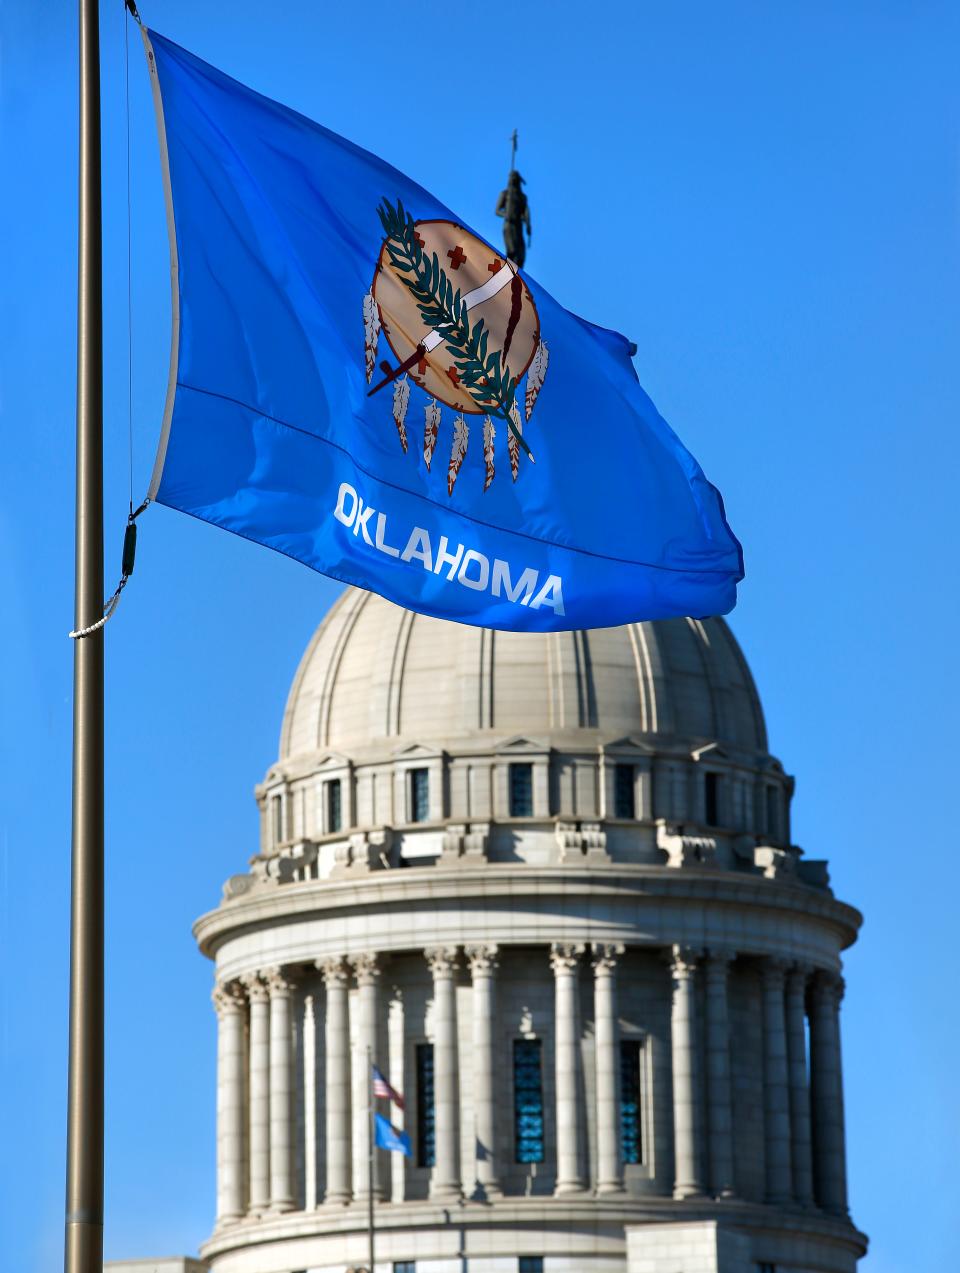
(763, 197)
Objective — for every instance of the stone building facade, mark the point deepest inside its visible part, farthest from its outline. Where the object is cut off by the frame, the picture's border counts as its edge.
(546, 883)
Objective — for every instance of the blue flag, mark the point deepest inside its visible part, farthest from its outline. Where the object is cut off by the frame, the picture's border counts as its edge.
(389, 1137)
(361, 381)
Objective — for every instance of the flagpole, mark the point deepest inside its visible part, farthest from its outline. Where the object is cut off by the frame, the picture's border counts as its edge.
(83, 1244)
(370, 1156)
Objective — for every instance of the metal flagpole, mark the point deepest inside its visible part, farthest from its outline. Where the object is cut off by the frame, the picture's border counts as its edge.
(83, 1245)
(370, 1156)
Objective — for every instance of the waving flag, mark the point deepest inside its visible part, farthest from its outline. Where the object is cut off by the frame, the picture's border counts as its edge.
(382, 1088)
(361, 381)
(386, 1136)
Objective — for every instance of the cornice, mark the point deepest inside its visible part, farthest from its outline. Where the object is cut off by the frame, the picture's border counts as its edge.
(577, 1214)
(424, 887)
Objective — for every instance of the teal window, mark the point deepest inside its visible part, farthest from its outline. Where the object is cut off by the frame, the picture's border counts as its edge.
(419, 795)
(426, 1115)
(530, 1264)
(528, 1100)
(404, 1266)
(521, 791)
(334, 813)
(631, 1128)
(623, 797)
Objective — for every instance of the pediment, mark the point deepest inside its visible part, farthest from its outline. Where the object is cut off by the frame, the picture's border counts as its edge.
(628, 745)
(418, 751)
(331, 760)
(522, 744)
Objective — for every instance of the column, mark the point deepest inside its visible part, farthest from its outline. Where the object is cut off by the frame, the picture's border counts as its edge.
(776, 1098)
(367, 972)
(800, 1142)
(259, 1092)
(445, 1178)
(280, 989)
(565, 960)
(483, 965)
(310, 1158)
(687, 1078)
(337, 1068)
(606, 1059)
(231, 1008)
(829, 1154)
(719, 1093)
(395, 1053)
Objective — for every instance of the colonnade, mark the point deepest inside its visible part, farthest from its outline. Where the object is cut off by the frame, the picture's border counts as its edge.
(802, 1120)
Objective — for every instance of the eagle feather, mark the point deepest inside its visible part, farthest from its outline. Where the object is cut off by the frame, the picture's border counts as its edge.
(371, 333)
(401, 399)
(489, 433)
(431, 428)
(536, 376)
(457, 451)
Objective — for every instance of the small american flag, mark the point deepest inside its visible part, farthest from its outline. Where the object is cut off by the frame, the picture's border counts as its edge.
(382, 1088)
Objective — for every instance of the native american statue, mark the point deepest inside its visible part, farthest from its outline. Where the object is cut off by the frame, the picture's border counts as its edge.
(513, 207)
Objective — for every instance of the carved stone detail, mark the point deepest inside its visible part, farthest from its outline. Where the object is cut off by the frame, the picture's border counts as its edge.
(279, 981)
(483, 960)
(465, 840)
(228, 997)
(366, 968)
(604, 956)
(565, 956)
(442, 960)
(684, 850)
(582, 842)
(361, 852)
(775, 863)
(334, 971)
(257, 991)
(684, 961)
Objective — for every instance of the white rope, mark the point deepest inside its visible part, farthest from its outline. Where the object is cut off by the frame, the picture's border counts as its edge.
(108, 612)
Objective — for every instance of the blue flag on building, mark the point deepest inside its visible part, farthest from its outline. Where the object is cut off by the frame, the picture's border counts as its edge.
(361, 381)
(386, 1136)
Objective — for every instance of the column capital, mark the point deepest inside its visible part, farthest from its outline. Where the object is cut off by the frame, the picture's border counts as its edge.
(604, 957)
(278, 980)
(798, 974)
(828, 986)
(717, 959)
(684, 961)
(228, 997)
(257, 991)
(483, 960)
(366, 968)
(565, 956)
(442, 960)
(773, 969)
(334, 971)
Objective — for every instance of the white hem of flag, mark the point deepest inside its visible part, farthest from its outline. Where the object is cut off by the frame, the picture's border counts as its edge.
(174, 269)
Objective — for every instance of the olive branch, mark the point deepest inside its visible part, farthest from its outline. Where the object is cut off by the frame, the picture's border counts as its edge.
(443, 310)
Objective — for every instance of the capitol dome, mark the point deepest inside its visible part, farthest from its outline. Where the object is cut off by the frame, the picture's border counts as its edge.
(546, 884)
(374, 671)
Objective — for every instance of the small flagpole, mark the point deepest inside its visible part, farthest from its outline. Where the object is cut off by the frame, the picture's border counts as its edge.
(83, 1236)
(370, 1157)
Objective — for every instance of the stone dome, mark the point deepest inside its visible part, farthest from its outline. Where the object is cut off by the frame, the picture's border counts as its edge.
(375, 673)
